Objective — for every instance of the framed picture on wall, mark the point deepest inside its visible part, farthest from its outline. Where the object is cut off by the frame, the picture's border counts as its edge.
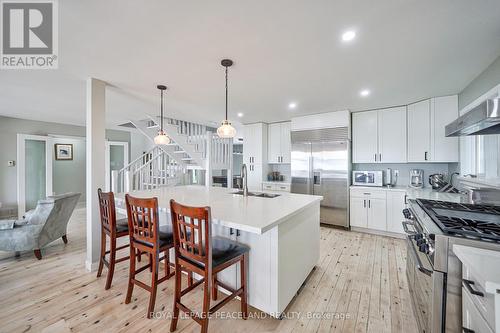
(64, 152)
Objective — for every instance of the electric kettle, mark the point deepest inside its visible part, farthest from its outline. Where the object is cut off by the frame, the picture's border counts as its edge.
(437, 181)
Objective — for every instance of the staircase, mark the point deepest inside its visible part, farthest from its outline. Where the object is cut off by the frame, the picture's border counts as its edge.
(193, 147)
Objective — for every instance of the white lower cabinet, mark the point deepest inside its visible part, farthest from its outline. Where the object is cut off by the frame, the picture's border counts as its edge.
(368, 208)
(272, 186)
(377, 214)
(377, 209)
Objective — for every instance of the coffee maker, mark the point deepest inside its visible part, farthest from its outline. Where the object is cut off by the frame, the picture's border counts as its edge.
(416, 178)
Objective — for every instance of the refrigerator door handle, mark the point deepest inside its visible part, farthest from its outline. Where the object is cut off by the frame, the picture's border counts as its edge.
(317, 178)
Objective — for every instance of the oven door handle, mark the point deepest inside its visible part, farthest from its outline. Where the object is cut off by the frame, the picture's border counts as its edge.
(416, 258)
(408, 231)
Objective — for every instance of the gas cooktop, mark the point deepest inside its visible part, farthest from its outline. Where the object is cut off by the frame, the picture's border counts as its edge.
(465, 220)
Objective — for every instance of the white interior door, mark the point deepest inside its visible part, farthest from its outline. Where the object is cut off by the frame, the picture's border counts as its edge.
(34, 170)
(116, 159)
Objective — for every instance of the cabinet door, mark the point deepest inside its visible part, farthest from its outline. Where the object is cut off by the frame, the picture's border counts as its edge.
(392, 135)
(358, 212)
(286, 142)
(395, 205)
(254, 177)
(419, 137)
(377, 214)
(249, 139)
(444, 111)
(364, 141)
(259, 268)
(274, 143)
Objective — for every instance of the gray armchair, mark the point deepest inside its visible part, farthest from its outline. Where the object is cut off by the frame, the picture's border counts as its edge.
(40, 226)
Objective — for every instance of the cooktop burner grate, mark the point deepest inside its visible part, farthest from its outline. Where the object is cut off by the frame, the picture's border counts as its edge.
(453, 218)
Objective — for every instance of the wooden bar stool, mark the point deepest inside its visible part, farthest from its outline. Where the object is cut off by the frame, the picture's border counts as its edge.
(197, 251)
(147, 237)
(113, 229)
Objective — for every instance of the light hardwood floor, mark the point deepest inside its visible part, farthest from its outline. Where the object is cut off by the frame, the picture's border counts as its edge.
(359, 285)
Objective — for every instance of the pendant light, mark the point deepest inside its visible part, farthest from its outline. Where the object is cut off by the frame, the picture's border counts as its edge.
(161, 138)
(226, 131)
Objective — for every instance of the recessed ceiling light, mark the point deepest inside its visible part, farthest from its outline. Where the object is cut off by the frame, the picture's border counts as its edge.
(240, 114)
(348, 35)
(365, 93)
(292, 105)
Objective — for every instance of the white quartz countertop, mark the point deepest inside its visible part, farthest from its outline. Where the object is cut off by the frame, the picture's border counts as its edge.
(419, 193)
(484, 265)
(251, 214)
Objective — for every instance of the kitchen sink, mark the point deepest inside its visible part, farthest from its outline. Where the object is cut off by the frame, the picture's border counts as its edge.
(258, 194)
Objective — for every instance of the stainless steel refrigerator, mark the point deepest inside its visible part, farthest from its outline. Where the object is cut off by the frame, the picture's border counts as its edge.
(321, 165)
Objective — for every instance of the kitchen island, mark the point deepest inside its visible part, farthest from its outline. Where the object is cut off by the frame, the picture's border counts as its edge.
(282, 232)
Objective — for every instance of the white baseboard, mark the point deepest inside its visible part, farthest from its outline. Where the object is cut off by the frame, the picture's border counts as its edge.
(91, 266)
(379, 232)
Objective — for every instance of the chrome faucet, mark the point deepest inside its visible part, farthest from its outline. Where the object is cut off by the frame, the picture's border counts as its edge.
(244, 179)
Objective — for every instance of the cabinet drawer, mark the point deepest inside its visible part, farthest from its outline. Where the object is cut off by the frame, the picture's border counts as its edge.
(282, 187)
(472, 319)
(485, 304)
(368, 193)
(268, 187)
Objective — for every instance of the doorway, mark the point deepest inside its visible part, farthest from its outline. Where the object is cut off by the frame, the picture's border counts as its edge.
(116, 159)
(34, 171)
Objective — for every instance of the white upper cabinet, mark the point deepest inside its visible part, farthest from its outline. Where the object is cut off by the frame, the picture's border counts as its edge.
(392, 135)
(255, 144)
(426, 130)
(379, 136)
(279, 143)
(443, 111)
(364, 137)
(419, 138)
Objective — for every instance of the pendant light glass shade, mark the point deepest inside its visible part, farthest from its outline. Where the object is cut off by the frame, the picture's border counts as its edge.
(162, 138)
(226, 131)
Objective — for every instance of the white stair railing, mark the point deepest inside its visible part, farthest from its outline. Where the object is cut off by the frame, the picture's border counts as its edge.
(153, 169)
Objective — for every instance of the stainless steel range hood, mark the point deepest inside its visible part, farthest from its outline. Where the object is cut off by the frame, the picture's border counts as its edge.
(483, 119)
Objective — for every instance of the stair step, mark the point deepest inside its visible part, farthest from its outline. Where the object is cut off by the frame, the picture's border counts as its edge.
(179, 152)
(186, 159)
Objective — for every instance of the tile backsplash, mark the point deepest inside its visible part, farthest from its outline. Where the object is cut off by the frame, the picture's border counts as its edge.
(404, 170)
(284, 169)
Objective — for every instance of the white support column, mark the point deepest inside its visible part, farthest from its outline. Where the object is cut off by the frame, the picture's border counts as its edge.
(208, 166)
(230, 168)
(96, 145)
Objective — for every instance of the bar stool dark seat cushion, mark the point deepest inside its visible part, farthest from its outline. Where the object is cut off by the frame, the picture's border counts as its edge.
(223, 250)
(166, 235)
(122, 225)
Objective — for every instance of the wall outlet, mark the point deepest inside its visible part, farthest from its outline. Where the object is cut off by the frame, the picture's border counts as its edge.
(11, 163)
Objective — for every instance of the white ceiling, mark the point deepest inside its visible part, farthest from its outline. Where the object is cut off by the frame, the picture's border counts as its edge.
(284, 50)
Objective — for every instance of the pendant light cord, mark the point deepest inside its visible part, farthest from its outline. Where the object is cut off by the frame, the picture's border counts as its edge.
(226, 93)
(161, 111)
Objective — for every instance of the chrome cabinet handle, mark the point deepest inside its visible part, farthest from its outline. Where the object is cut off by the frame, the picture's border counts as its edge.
(375, 157)
(416, 259)
(369, 204)
(231, 231)
(468, 285)
(364, 203)
(237, 233)
(425, 155)
(380, 157)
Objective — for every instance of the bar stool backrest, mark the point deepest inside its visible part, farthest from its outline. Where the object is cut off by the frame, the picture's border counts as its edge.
(107, 210)
(192, 232)
(143, 220)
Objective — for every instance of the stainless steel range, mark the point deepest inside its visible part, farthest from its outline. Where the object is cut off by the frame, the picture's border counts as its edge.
(434, 272)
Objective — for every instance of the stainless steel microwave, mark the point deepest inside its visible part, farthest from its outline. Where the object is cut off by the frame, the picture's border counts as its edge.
(368, 178)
